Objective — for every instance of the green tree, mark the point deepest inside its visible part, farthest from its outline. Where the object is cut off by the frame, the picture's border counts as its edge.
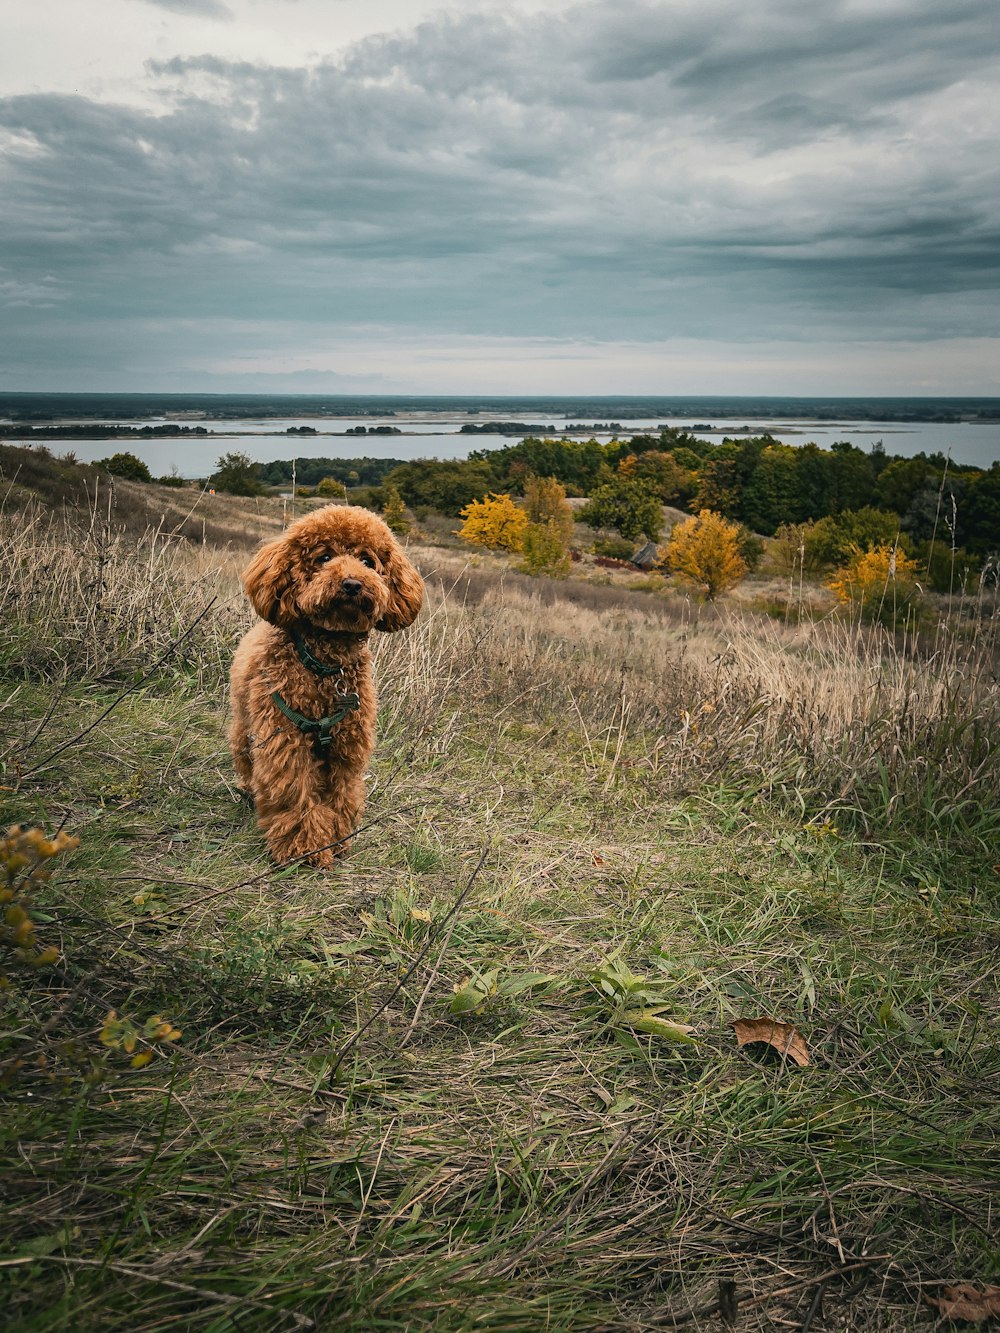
(686, 458)
(852, 476)
(126, 466)
(625, 503)
(663, 474)
(720, 482)
(444, 486)
(236, 474)
(751, 546)
(771, 495)
(795, 549)
(688, 449)
(815, 484)
(902, 480)
(947, 570)
(979, 525)
(576, 463)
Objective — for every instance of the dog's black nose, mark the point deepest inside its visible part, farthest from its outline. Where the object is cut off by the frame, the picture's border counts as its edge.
(351, 587)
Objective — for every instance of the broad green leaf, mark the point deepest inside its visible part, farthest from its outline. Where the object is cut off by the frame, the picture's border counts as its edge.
(648, 1020)
(466, 1000)
(526, 981)
(42, 1245)
(346, 949)
(470, 994)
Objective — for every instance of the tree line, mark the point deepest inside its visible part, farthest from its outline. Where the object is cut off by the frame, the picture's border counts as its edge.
(755, 481)
(811, 497)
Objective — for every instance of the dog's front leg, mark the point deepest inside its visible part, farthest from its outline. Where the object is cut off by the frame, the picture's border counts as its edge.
(293, 804)
(345, 796)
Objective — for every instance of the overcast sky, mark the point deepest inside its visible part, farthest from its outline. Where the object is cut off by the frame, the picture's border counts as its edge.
(620, 196)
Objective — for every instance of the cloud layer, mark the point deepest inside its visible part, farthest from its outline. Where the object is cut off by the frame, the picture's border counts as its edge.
(620, 172)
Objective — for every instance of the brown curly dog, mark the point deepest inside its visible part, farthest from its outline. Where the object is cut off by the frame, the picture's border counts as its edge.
(303, 700)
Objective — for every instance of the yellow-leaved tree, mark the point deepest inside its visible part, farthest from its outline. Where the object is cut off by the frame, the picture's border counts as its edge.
(496, 522)
(550, 526)
(704, 551)
(545, 502)
(394, 512)
(880, 583)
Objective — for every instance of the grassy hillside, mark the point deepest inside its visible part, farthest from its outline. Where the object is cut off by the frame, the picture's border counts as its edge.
(32, 476)
(452, 1084)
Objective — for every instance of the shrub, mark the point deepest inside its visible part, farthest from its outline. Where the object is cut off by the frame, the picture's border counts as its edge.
(617, 548)
(24, 852)
(545, 550)
(751, 547)
(795, 549)
(369, 497)
(947, 570)
(394, 512)
(879, 583)
(833, 540)
(705, 552)
(237, 474)
(331, 489)
(495, 522)
(126, 466)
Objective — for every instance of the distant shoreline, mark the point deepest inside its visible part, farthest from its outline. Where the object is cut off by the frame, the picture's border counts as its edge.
(22, 409)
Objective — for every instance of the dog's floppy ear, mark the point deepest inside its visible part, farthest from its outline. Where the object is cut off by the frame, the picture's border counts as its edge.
(269, 580)
(406, 594)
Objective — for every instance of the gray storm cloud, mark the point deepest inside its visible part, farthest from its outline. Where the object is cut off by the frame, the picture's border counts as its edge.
(627, 170)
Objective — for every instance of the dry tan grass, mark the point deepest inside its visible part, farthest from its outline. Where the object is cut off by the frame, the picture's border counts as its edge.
(842, 717)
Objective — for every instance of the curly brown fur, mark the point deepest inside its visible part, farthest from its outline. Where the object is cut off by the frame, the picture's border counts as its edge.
(332, 578)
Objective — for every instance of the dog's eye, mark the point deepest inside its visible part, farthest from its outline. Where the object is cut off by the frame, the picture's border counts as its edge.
(325, 558)
(368, 560)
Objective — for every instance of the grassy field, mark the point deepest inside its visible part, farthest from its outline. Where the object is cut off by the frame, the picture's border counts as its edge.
(485, 1074)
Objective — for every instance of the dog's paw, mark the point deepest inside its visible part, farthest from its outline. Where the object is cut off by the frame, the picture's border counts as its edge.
(322, 858)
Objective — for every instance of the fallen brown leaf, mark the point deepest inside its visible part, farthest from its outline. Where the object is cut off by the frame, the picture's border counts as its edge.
(968, 1303)
(783, 1037)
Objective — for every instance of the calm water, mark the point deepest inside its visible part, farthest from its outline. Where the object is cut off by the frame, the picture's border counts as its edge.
(435, 435)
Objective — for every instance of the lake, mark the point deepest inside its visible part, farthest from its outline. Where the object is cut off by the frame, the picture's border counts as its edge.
(436, 435)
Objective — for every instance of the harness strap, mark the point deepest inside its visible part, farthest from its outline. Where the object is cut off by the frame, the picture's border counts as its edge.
(311, 662)
(321, 728)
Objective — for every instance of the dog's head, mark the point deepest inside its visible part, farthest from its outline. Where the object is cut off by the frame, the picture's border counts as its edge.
(339, 568)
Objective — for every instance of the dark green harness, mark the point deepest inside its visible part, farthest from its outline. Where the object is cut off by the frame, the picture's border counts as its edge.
(321, 728)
